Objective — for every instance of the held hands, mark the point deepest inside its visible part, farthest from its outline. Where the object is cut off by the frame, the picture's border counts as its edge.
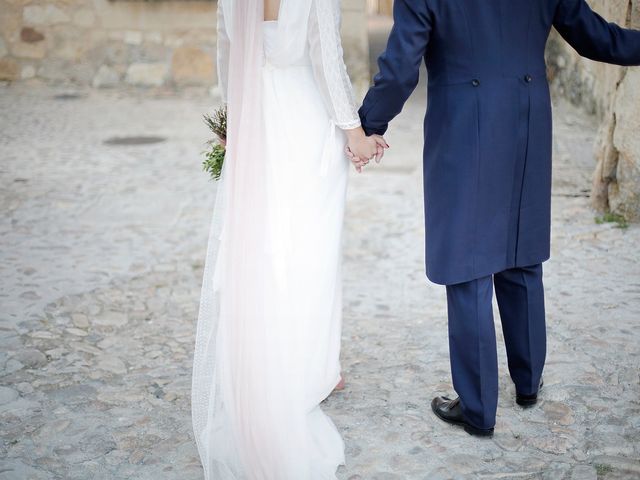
(361, 149)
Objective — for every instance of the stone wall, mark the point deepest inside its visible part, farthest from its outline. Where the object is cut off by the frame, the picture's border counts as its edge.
(113, 43)
(612, 93)
(380, 7)
(355, 40)
(108, 43)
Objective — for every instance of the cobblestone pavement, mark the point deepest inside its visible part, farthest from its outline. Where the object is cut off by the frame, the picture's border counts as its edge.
(100, 263)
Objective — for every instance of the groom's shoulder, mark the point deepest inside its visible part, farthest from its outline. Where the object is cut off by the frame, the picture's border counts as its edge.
(460, 3)
(461, 6)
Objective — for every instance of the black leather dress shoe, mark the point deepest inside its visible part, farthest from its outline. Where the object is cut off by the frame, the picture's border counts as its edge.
(451, 412)
(527, 401)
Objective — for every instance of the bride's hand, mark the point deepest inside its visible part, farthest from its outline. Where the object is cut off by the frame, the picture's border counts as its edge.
(357, 163)
(361, 146)
(357, 137)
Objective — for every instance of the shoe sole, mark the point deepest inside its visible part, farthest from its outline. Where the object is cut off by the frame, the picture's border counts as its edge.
(526, 403)
(529, 402)
(478, 432)
(470, 429)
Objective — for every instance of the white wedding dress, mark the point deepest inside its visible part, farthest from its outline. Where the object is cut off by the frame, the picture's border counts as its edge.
(268, 339)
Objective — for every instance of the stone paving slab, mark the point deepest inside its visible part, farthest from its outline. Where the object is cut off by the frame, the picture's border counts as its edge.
(101, 251)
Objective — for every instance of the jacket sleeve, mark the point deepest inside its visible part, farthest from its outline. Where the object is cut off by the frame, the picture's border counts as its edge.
(595, 38)
(399, 65)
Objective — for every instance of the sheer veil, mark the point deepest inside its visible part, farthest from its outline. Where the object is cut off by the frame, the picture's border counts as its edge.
(233, 422)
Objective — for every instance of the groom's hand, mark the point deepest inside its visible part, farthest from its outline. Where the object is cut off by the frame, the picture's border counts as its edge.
(362, 148)
(360, 162)
(382, 145)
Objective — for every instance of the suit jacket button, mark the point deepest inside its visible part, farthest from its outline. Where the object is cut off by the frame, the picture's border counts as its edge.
(528, 78)
(475, 82)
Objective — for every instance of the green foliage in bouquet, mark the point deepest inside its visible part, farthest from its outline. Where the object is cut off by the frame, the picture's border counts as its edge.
(213, 160)
(214, 155)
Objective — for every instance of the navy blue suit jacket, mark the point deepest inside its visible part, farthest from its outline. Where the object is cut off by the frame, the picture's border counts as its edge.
(487, 154)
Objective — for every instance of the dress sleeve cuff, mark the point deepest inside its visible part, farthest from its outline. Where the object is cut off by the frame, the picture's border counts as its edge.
(350, 125)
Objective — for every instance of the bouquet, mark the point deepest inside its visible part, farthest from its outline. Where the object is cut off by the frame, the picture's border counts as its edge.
(214, 155)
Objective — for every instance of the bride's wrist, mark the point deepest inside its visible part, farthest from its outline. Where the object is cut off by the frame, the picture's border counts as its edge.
(355, 133)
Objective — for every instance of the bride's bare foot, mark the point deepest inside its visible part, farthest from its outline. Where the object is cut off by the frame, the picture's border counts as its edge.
(340, 386)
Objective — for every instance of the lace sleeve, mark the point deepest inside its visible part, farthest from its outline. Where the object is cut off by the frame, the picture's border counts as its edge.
(329, 69)
(223, 45)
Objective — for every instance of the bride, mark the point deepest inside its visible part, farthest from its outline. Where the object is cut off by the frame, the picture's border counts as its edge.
(268, 337)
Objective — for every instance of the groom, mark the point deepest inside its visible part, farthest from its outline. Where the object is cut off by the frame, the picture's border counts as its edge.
(487, 171)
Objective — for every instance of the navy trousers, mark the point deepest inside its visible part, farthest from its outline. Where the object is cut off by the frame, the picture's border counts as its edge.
(472, 338)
